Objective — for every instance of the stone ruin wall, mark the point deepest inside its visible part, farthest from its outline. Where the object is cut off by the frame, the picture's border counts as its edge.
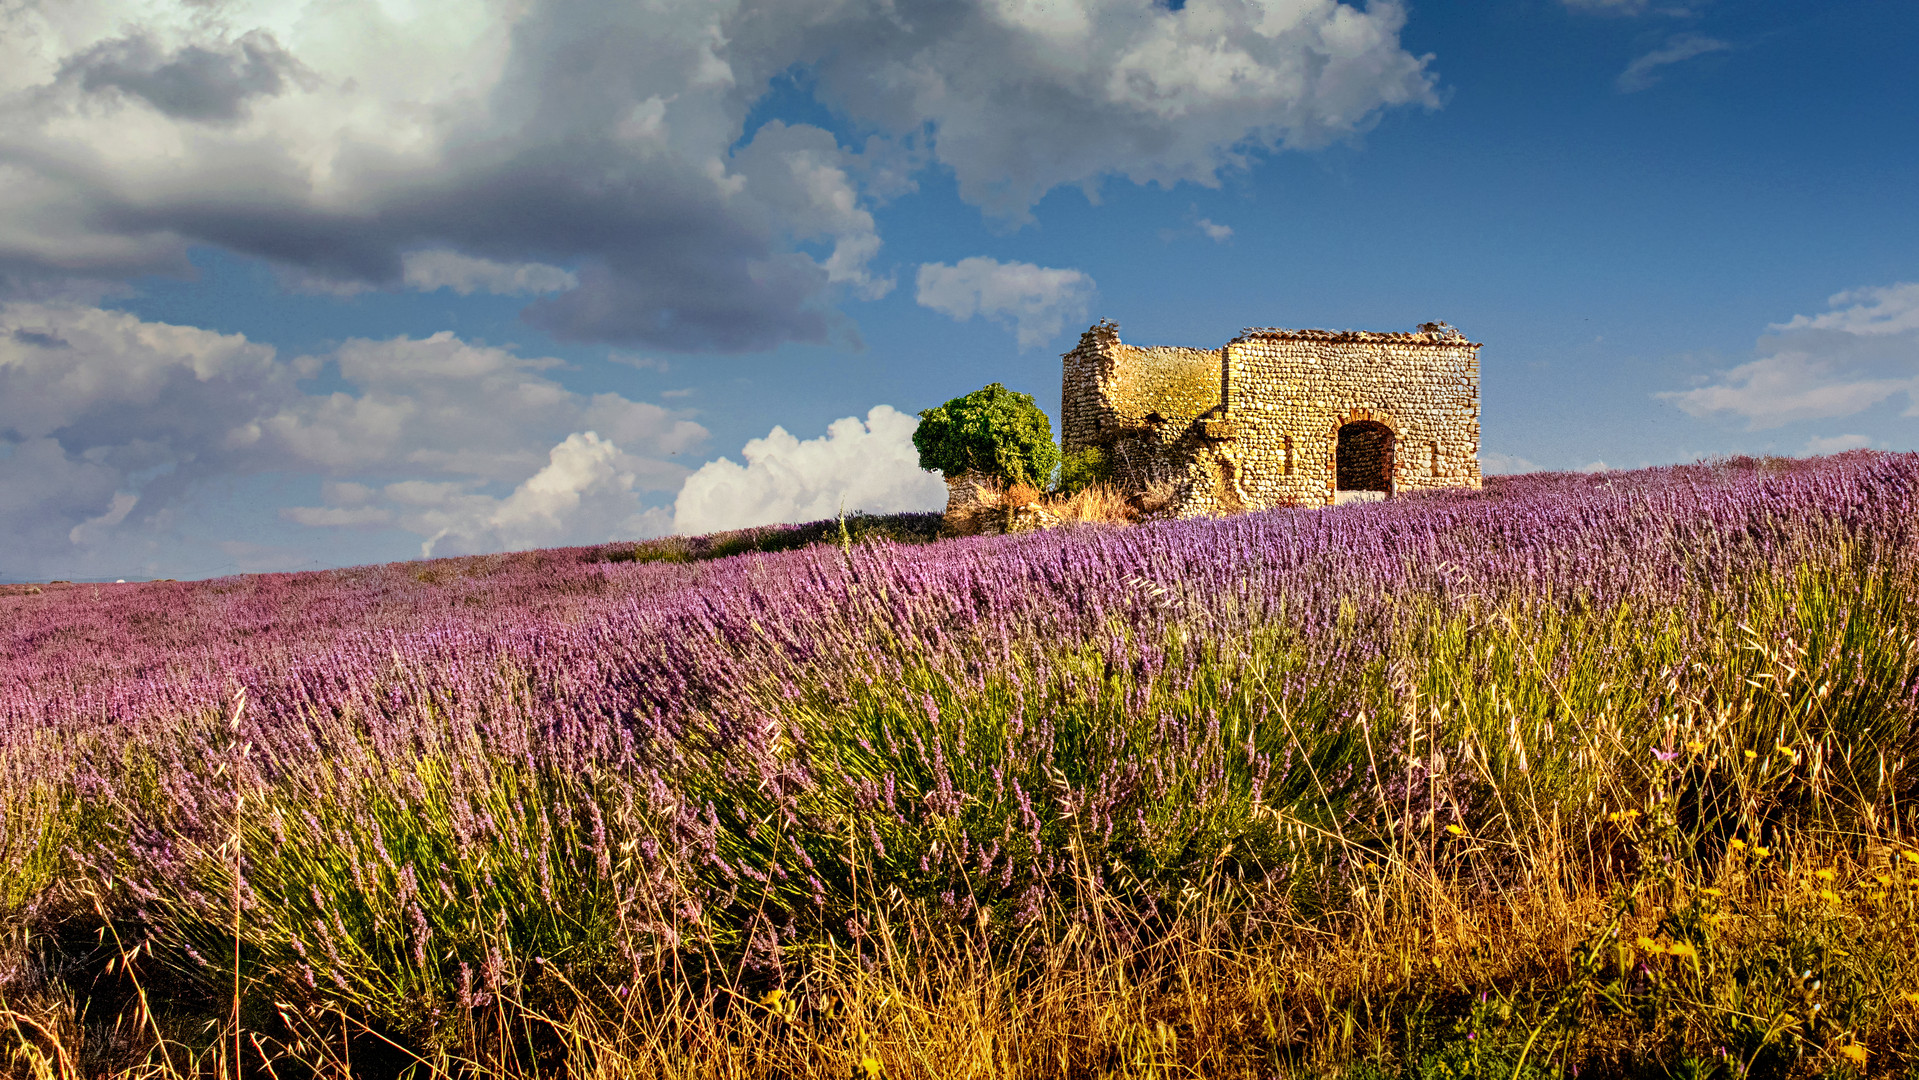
(1143, 405)
(1265, 433)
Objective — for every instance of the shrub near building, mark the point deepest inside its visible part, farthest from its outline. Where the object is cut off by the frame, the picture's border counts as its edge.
(992, 432)
(1004, 473)
(995, 448)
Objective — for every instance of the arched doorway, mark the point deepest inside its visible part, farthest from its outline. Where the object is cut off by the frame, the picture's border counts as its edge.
(1365, 457)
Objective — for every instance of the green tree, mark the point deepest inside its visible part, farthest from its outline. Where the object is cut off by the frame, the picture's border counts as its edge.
(992, 430)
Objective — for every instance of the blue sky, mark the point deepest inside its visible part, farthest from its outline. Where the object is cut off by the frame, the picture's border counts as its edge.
(300, 284)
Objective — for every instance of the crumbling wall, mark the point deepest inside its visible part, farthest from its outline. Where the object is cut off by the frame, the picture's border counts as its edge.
(1139, 404)
(1256, 424)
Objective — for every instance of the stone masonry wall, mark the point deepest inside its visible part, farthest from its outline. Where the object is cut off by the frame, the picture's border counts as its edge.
(1142, 405)
(1267, 433)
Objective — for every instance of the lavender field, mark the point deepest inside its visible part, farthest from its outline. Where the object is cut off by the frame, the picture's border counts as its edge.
(1606, 774)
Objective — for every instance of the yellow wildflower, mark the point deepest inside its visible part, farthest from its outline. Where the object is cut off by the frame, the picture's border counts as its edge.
(1824, 875)
(1912, 856)
(1713, 892)
(1786, 750)
(1828, 896)
(1683, 950)
(1696, 746)
(1883, 880)
(1455, 830)
(1750, 754)
(1854, 1053)
(1647, 944)
(1910, 998)
(1738, 844)
(1761, 852)
(870, 1068)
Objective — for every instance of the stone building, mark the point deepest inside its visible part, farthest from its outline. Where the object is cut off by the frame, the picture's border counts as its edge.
(1278, 417)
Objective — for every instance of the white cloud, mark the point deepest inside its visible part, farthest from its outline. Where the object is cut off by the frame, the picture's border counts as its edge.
(1206, 227)
(1494, 463)
(801, 172)
(442, 405)
(1034, 301)
(586, 493)
(1787, 385)
(635, 360)
(105, 420)
(1836, 444)
(1024, 97)
(95, 529)
(475, 144)
(1837, 363)
(338, 517)
(869, 466)
(1888, 309)
(1595, 467)
(1644, 71)
(466, 275)
(108, 422)
(61, 366)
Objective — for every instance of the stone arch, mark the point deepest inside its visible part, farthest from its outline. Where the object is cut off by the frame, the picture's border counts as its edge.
(1363, 451)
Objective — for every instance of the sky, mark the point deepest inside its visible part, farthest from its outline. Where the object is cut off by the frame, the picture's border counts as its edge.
(297, 284)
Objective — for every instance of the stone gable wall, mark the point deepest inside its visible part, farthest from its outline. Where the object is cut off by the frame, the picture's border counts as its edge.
(1256, 424)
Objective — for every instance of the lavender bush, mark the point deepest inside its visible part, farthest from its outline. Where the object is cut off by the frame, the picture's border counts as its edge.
(464, 785)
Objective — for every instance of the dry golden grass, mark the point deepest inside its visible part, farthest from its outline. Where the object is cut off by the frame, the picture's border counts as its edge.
(989, 509)
(1237, 983)
(1095, 504)
(1020, 494)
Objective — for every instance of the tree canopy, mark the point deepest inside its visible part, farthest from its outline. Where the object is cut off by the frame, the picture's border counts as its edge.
(992, 430)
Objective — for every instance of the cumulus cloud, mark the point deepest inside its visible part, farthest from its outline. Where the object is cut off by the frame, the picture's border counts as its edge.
(1200, 226)
(101, 378)
(450, 406)
(464, 274)
(1644, 72)
(191, 83)
(1215, 232)
(587, 492)
(342, 142)
(1024, 97)
(1494, 463)
(1868, 312)
(109, 422)
(1035, 302)
(870, 466)
(337, 517)
(1863, 351)
(1836, 444)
